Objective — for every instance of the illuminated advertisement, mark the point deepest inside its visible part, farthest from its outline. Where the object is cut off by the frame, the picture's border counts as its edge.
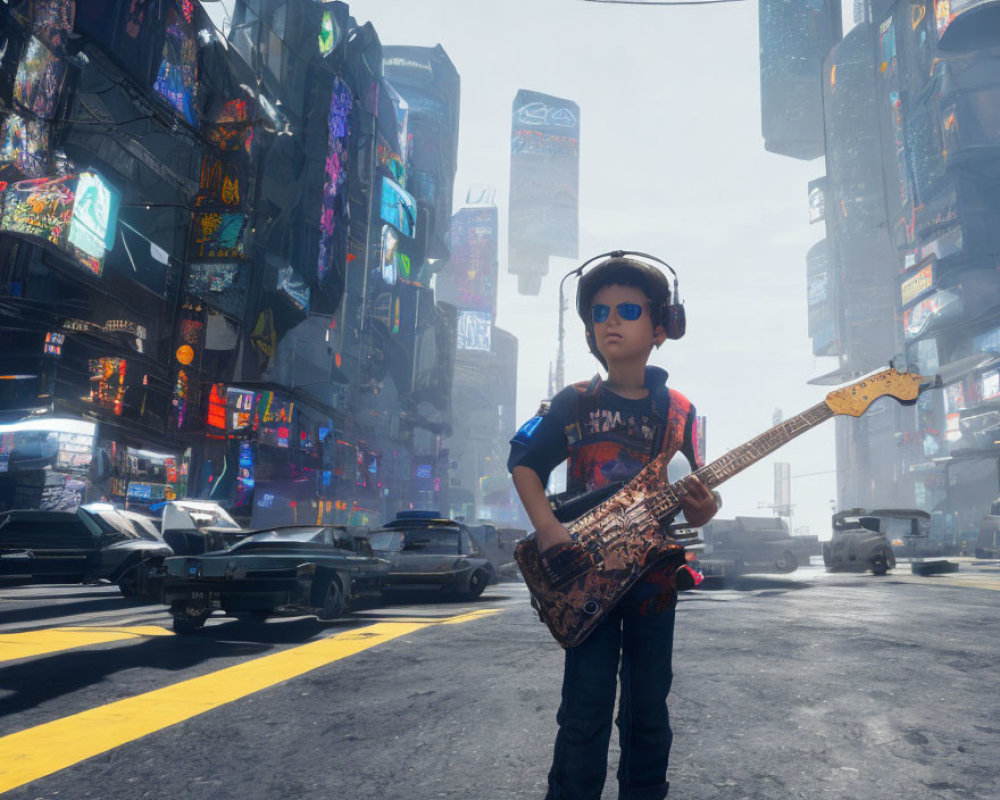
(395, 263)
(219, 182)
(544, 174)
(393, 163)
(330, 33)
(107, 383)
(817, 200)
(472, 269)
(474, 328)
(189, 339)
(217, 397)
(24, 143)
(244, 478)
(954, 403)
(240, 404)
(178, 73)
(294, 288)
(39, 80)
(990, 385)
(95, 214)
(918, 283)
(221, 284)
(41, 208)
(270, 409)
(181, 396)
(217, 235)
(398, 208)
(54, 22)
(335, 168)
(941, 305)
(53, 344)
(232, 129)
(947, 11)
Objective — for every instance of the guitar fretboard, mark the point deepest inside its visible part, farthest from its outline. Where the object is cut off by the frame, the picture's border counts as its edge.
(723, 468)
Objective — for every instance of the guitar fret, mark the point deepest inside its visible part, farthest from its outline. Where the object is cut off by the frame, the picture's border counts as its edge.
(666, 502)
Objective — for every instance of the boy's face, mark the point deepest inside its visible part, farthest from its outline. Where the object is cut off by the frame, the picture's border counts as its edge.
(622, 340)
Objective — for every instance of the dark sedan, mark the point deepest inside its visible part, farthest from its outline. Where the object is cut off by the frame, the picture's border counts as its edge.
(426, 550)
(95, 542)
(314, 569)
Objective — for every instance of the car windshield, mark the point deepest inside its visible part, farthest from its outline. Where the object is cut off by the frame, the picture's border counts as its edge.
(386, 540)
(110, 521)
(431, 541)
(145, 526)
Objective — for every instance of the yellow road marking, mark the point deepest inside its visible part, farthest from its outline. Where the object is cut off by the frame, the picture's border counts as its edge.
(36, 643)
(36, 752)
(968, 582)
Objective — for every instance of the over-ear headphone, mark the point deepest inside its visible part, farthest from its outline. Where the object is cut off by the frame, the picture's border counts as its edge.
(671, 311)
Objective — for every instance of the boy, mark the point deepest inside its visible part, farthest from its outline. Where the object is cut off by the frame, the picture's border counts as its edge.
(609, 430)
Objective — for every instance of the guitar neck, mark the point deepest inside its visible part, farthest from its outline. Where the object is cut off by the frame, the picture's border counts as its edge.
(735, 461)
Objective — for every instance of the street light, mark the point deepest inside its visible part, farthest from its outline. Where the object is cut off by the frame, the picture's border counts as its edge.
(560, 355)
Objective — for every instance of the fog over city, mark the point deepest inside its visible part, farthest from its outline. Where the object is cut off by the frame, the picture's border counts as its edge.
(672, 162)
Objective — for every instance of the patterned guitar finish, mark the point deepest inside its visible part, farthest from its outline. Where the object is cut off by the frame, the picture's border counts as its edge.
(620, 540)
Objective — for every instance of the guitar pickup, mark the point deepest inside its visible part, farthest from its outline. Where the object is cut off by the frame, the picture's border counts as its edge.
(567, 563)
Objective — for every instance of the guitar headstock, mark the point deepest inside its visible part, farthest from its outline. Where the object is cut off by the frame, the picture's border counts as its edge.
(903, 386)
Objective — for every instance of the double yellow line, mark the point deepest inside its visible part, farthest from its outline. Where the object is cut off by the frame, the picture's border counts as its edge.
(36, 752)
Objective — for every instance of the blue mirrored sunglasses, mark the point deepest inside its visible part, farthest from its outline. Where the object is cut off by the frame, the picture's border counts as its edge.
(627, 311)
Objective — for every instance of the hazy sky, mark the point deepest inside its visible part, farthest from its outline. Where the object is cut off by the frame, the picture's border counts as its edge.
(671, 163)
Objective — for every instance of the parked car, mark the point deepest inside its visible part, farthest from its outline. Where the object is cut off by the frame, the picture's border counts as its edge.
(859, 543)
(95, 542)
(191, 527)
(287, 571)
(428, 551)
(753, 544)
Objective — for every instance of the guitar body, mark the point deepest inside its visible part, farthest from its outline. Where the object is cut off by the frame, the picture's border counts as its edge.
(626, 536)
(615, 544)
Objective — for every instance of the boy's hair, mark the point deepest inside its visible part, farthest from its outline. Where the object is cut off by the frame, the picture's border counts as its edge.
(622, 272)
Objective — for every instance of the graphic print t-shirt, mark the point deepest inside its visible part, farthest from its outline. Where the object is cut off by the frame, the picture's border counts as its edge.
(606, 437)
(618, 437)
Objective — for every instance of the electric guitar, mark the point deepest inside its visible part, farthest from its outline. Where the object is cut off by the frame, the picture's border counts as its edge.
(627, 535)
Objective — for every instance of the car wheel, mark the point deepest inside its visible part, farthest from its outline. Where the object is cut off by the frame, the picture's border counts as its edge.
(333, 603)
(186, 624)
(786, 562)
(477, 582)
(128, 582)
(880, 566)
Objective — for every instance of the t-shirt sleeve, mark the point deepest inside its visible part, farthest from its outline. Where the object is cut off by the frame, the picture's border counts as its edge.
(540, 444)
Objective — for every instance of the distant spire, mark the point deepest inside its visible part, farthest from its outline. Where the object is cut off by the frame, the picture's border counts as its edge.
(552, 382)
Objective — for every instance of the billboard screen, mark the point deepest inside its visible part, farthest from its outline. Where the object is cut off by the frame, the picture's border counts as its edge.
(95, 212)
(544, 176)
(470, 278)
(474, 328)
(398, 208)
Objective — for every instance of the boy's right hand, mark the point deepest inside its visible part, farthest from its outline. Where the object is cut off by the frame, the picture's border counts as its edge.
(552, 535)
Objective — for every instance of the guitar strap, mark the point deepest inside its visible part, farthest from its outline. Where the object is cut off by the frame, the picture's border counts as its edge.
(670, 407)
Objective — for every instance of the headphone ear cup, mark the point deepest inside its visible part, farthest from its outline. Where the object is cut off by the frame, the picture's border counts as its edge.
(676, 321)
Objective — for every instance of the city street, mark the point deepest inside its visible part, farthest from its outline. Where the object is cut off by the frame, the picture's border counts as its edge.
(806, 685)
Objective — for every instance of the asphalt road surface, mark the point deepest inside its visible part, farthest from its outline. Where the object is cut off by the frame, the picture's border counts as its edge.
(805, 685)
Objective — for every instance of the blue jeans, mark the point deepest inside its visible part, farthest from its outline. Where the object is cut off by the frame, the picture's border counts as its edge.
(644, 644)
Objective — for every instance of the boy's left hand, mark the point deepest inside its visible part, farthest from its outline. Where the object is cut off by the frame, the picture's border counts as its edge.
(698, 502)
